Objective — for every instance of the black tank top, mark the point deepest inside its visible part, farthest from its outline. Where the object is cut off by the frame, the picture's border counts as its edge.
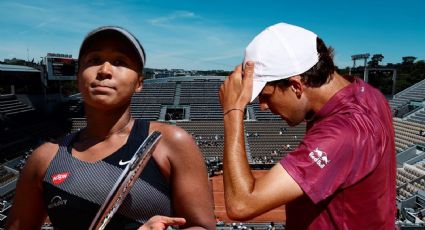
(73, 190)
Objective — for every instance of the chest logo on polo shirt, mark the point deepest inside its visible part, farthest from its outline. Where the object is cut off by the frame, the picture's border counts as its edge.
(124, 162)
(320, 157)
(59, 178)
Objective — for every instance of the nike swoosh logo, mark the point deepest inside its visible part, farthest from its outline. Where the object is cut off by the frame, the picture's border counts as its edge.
(124, 162)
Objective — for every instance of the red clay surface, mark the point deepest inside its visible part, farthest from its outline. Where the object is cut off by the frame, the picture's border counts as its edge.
(275, 215)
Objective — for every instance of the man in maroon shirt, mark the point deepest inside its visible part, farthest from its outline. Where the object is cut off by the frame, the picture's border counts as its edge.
(342, 175)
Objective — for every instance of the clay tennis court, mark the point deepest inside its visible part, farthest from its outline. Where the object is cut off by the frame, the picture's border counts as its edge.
(216, 182)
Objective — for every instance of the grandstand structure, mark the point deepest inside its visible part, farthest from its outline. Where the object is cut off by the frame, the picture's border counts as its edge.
(195, 101)
(192, 103)
(267, 137)
(409, 101)
(22, 126)
(10, 106)
(409, 125)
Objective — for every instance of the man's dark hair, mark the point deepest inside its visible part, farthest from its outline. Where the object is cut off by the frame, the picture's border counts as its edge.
(320, 73)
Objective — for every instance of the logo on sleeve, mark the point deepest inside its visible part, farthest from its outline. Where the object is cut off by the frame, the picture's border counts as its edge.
(320, 157)
(59, 178)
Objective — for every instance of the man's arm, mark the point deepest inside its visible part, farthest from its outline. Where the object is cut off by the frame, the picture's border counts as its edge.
(192, 197)
(28, 211)
(245, 196)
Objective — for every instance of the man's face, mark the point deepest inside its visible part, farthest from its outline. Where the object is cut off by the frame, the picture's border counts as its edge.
(283, 101)
(108, 73)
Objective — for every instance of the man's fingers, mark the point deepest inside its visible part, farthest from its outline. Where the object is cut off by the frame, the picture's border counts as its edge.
(235, 90)
(236, 74)
(249, 69)
(238, 68)
(248, 77)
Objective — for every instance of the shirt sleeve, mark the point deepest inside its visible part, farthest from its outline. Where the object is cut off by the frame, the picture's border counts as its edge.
(332, 156)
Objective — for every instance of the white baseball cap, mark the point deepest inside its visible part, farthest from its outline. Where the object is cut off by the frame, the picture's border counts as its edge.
(280, 51)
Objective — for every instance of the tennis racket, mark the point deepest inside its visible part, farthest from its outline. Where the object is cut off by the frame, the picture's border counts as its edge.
(125, 182)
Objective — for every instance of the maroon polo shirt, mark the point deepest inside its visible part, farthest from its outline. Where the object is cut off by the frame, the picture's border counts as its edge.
(346, 164)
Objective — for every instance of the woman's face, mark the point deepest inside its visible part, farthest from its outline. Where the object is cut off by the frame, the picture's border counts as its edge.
(108, 73)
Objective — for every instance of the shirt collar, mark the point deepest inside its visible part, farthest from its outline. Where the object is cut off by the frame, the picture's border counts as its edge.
(338, 101)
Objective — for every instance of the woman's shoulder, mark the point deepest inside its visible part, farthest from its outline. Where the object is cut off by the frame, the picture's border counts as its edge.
(41, 157)
(45, 149)
(171, 133)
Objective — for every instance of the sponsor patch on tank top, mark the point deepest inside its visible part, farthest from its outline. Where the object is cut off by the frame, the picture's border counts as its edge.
(59, 178)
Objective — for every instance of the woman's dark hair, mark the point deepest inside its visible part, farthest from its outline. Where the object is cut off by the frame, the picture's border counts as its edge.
(320, 73)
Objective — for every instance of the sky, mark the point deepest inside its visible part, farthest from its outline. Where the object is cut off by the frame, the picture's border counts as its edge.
(212, 35)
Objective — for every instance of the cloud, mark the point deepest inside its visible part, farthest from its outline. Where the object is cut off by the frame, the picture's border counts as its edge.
(169, 19)
(222, 57)
(20, 7)
(39, 25)
(178, 39)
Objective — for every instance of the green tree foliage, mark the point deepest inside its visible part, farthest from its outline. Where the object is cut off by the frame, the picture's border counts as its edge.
(409, 72)
(408, 60)
(376, 59)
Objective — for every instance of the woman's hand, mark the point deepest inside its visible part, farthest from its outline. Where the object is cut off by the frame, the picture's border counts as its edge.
(162, 222)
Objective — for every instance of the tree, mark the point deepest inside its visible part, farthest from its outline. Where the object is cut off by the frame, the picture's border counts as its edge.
(408, 60)
(376, 59)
